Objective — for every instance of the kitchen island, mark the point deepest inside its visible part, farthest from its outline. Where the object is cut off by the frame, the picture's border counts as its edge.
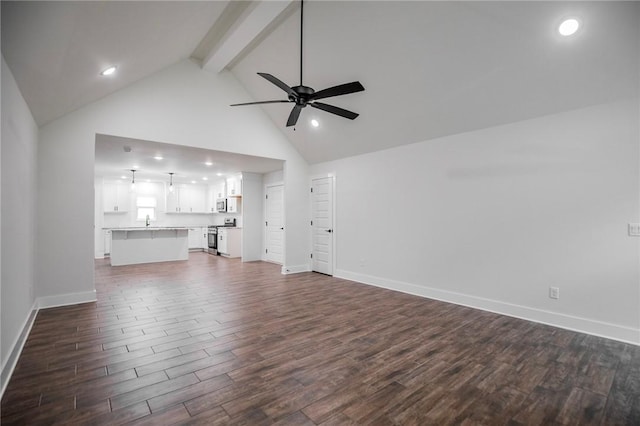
(130, 246)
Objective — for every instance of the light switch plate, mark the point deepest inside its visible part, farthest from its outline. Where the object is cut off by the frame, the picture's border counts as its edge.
(634, 229)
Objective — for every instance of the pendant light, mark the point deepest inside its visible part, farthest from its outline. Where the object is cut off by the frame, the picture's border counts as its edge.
(170, 182)
(133, 179)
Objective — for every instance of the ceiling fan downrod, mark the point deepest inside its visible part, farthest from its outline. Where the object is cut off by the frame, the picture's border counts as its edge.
(301, 36)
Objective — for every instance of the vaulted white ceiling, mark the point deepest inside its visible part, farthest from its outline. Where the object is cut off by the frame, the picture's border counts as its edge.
(430, 69)
(56, 49)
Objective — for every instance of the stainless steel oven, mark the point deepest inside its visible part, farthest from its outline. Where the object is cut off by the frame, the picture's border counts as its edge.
(212, 239)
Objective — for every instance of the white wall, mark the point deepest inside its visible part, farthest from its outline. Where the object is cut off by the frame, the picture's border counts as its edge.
(183, 105)
(492, 218)
(18, 201)
(252, 217)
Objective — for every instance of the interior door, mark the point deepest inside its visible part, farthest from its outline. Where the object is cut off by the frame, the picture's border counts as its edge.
(274, 238)
(322, 225)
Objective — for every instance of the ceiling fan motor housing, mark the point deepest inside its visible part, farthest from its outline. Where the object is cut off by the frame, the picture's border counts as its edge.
(304, 93)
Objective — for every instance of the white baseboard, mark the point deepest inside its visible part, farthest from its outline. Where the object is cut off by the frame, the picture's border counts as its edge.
(39, 303)
(295, 269)
(583, 325)
(16, 348)
(66, 299)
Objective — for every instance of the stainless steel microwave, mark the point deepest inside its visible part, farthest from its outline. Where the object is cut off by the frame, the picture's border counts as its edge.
(221, 205)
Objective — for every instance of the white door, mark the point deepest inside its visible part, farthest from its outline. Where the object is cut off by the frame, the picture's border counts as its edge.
(274, 236)
(322, 225)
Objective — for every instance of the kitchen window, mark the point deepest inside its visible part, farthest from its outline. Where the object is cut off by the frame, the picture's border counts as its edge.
(146, 206)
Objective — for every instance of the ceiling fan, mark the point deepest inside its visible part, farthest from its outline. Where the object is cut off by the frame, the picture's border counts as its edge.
(303, 95)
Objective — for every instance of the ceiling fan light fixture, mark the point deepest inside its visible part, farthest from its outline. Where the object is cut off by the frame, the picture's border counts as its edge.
(109, 71)
(569, 27)
(315, 123)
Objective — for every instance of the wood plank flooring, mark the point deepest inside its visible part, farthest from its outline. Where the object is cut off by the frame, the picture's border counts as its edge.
(215, 341)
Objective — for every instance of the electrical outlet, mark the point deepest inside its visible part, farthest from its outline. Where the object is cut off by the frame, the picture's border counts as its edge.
(554, 292)
(634, 229)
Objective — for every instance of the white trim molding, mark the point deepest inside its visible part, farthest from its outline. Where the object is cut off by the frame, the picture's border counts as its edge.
(66, 299)
(16, 348)
(39, 303)
(582, 325)
(295, 269)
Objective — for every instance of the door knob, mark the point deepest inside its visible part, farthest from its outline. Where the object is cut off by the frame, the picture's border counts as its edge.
(282, 229)
(329, 230)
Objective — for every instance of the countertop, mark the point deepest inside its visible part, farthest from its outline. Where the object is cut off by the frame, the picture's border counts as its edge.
(165, 228)
(148, 228)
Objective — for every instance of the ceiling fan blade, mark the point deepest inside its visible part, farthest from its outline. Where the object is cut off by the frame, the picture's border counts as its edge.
(293, 117)
(279, 83)
(260, 102)
(335, 110)
(343, 89)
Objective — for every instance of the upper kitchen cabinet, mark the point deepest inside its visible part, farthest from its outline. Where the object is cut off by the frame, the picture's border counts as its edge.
(234, 204)
(115, 197)
(214, 193)
(234, 186)
(187, 199)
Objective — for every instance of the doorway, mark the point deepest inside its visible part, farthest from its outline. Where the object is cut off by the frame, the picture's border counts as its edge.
(274, 224)
(322, 225)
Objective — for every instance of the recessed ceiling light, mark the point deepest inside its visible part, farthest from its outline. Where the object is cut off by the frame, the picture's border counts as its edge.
(568, 27)
(315, 123)
(218, 174)
(205, 178)
(208, 163)
(193, 181)
(159, 157)
(135, 166)
(108, 71)
(123, 177)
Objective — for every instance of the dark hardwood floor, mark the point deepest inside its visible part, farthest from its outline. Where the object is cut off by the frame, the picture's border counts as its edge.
(215, 341)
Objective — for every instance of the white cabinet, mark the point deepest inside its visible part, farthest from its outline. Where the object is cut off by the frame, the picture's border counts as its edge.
(115, 197)
(195, 238)
(229, 240)
(234, 204)
(205, 238)
(195, 199)
(211, 199)
(220, 190)
(173, 200)
(234, 186)
(187, 199)
(222, 241)
(198, 238)
(215, 193)
(107, 242)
